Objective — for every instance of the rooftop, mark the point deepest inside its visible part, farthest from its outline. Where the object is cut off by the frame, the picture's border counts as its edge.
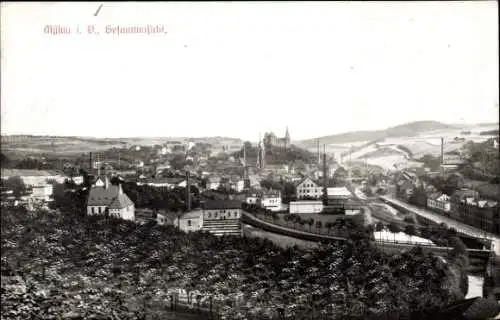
(341, 192)
(28, 173)
(222, 204)
(111, 197)
(196, 214)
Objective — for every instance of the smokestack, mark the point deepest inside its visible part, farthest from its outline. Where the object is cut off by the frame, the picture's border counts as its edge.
(325, 181)
(90, 162)
(98, 166)
(188, 191)
(319, 157)
(442, 150)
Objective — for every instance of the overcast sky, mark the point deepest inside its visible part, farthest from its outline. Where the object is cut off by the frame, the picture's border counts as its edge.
(237, 69)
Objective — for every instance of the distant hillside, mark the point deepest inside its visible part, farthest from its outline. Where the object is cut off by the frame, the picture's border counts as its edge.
(30, 144)
(404, 130)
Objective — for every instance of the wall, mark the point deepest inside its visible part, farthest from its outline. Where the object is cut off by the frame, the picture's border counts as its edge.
(196, 224)
(42, 192)
(221, 214)
(96, 210)
(302, 207)
(269, 203)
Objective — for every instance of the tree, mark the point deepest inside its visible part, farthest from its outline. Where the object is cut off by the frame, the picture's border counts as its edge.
(379, 227)
(318, 225)
(16, 184)
(4, 161)
(310, 222)
(410, 230)
(178, 162)
(394, 228)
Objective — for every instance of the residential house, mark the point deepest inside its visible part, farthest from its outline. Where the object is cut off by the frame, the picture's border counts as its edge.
(439, 201)
(307, 188)
(252, 199)
(110, 200)
(271, 200)
(213, 183)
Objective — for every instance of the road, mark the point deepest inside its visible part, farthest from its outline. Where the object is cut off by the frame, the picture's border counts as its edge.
(459, 226)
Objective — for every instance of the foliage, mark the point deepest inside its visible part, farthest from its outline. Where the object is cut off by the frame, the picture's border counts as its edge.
(15, 184)
(95, 267)
(431, 162)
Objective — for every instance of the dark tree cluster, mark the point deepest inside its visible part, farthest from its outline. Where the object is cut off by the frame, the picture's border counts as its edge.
(98, 267)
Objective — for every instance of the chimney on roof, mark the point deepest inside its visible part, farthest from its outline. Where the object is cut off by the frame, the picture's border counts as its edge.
(120, 190)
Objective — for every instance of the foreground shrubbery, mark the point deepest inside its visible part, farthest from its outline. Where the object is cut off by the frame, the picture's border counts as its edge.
(96, 268)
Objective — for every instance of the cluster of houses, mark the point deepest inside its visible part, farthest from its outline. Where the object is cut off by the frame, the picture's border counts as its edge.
(464, 205)
(39, 189)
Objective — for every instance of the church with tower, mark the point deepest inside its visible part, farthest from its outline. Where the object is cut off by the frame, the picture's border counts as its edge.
(270, 139)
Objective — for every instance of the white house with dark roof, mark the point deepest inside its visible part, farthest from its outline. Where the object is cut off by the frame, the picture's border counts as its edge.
(307, 188)
(111, 200)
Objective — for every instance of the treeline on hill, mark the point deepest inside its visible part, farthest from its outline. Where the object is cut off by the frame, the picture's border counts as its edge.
(29, 163)
(277, 155)
(483, 162)
(490, 133)
(95, 267)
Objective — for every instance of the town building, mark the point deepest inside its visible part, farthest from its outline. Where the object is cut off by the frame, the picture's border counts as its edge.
(213, 183)
(308, 189)
(252, 199)
(34, 177)
(298, 207)
(42, 192)
(440, 202)
(271, 200)
(338, 199)
(190, 221)
(222, 217)
(77, 180)
(467, 208)
(270, 139)
(167, 183)
(110, 200)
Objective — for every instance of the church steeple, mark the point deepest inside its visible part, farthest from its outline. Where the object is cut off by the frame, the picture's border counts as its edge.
(287, 138)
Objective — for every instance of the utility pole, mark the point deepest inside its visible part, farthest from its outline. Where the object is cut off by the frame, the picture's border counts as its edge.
(98, 166)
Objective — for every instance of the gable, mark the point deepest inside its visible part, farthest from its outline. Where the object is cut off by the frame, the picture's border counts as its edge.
(305, 182)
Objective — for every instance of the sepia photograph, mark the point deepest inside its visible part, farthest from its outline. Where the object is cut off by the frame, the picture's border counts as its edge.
(252, 160)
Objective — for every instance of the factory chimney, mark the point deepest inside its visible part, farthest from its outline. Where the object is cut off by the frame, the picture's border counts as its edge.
(319, 157)
(325, 181)
(188, 191)
(442, 150)
(90, 162)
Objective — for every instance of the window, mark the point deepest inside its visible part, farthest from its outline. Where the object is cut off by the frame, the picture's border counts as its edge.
(189, 223)
(209, 214)
(92, 210)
